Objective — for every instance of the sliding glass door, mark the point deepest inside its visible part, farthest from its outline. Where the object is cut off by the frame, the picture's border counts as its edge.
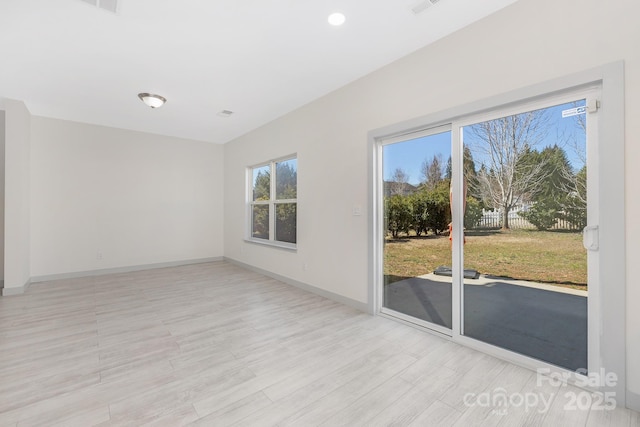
(489, 229)
(525, 176)
(417, 176)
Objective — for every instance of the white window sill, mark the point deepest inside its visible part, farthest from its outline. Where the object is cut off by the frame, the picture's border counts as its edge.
(280, 245)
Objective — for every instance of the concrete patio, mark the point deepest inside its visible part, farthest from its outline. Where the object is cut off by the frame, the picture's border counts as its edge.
(545, 322)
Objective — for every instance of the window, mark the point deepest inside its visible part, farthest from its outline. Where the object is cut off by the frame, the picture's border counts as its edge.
(273, 202)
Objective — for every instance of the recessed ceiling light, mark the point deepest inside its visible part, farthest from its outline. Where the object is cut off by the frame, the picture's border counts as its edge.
(336, 19)
(110, 5)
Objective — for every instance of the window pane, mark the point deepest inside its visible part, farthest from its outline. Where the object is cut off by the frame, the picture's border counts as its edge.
(261, 183)
(260, 221)
(286, 222)
(526, 208)
(286, 179)
(417, 213)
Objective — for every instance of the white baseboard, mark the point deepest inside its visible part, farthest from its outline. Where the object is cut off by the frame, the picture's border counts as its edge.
(88, 273)
(309, 288)
(633, 400)
(16, 290)
(127, 269)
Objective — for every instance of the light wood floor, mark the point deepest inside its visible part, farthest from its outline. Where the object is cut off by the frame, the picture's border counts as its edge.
(216, 345)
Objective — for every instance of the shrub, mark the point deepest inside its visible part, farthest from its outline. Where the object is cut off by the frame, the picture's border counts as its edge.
(473, 213)
(398, 214)
(542, 215)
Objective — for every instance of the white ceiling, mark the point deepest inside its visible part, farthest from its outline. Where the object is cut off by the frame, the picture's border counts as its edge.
(258, 58)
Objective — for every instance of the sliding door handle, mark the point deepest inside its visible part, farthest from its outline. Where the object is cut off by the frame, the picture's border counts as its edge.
(590, 238)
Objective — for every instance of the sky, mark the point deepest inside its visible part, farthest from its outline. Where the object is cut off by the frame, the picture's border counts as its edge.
(409, 155)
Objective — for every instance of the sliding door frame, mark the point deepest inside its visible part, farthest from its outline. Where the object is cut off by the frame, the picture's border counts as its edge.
(381, 143)
(610, 354)
(591, 93)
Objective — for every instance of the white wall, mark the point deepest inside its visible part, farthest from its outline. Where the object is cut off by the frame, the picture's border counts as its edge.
(134, 198)
(2, 148)
(530, 42)
(16, 201)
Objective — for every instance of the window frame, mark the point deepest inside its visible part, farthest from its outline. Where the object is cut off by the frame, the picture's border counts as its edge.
(272, 203)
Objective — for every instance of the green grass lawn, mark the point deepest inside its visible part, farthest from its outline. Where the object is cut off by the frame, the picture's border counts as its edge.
(540, 256)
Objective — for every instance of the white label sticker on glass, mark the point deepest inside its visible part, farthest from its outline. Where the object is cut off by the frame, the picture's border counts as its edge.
(574, 111)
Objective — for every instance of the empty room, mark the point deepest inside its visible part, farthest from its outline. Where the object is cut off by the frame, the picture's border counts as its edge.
(336, 213)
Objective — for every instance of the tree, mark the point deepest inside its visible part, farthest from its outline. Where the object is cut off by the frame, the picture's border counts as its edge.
(260, 221)
(468, 167)
(419, 212)
(286, 181)
(286, 224)
(469, 170)
(260, 213)
(439, 210)
(285, 213)
(553, 180)
(398, 213)
(543, 214)
(575, 209)
(431, 171)
(398, 182)
(262, 186)
(499, 145)
(472, 213)
(559, 193)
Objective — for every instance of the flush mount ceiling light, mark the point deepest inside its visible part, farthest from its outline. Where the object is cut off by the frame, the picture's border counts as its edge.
(336, 19)
(152, 100)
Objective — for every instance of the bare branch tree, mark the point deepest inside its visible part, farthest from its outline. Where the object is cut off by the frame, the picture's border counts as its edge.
(424, 170)
(574, 142)
(398, 183)
(499, 145)
(432, 171)
(575, 178)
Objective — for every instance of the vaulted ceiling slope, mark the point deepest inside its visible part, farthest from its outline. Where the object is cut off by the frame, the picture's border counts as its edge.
(260, 59)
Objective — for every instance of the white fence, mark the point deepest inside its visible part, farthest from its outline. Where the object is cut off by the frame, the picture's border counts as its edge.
(493, 219)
